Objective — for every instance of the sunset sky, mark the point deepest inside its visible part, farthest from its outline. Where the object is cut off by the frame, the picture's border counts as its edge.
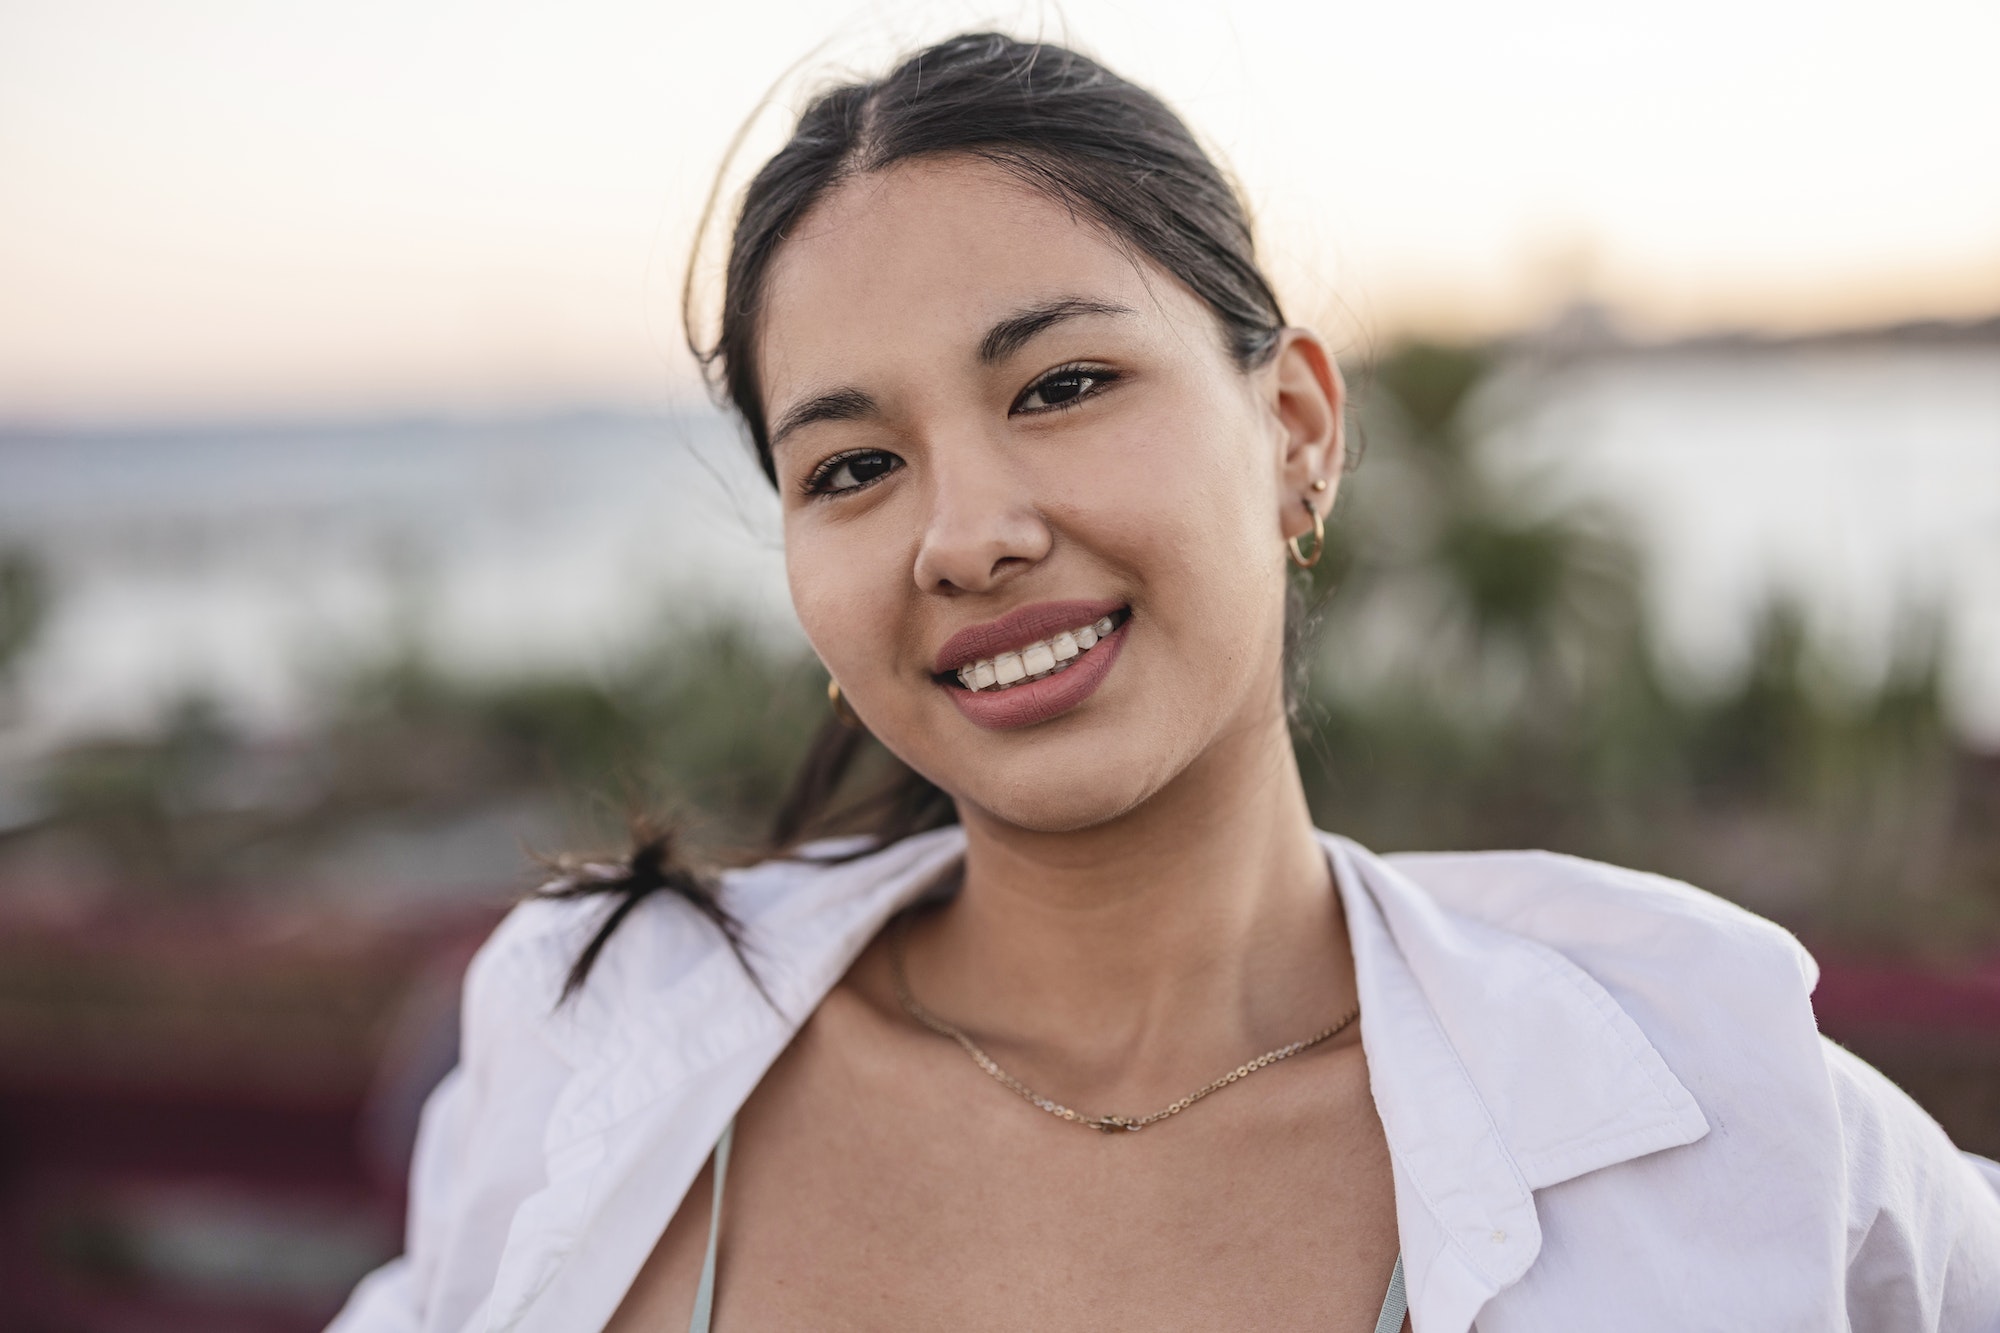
(254, 207)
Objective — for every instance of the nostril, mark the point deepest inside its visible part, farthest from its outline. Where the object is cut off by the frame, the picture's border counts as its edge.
(974, 540)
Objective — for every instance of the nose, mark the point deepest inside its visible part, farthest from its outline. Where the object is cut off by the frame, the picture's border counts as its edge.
(984, 526)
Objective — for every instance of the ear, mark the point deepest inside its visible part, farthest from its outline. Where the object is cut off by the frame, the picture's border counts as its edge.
(1307, 401)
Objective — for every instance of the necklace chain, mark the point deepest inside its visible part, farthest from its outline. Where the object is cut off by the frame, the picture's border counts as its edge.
(1105, 1123)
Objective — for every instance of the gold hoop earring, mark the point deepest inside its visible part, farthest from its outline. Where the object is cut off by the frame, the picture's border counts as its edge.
(1292, 550)
(841, 708)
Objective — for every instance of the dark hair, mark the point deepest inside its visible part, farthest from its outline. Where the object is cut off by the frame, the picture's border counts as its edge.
(1059, 122)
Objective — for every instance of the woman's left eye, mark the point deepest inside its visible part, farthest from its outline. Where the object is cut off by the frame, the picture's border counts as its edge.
(1063, 388)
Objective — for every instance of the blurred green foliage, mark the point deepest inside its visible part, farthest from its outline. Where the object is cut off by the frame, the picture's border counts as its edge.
(1482, 675)
(702, 720)
(1486, 676)
(24, 606)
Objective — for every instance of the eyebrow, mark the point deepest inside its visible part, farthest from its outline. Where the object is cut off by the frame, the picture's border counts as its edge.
(1004, 339)
(1013, 333)
(840, 405)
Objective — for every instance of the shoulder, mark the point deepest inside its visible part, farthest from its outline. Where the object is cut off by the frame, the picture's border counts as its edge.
(1905, 1179)
(518, 975)
(1612, 918)
(1723, 996)
(1922, 1218)
(1800, 1128)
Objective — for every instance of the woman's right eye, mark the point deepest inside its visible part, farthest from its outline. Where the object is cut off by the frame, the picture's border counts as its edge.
(850, 472)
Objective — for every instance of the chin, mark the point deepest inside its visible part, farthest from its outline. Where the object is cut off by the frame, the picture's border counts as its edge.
(1059, 808)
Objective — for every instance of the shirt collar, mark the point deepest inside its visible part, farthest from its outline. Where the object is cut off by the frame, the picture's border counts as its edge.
(1498, 1067)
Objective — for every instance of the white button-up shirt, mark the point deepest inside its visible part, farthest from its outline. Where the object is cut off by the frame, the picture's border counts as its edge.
(1607, 1105)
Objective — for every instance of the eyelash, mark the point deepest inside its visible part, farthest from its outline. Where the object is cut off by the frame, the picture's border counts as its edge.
(814, 485)
(1099, 376)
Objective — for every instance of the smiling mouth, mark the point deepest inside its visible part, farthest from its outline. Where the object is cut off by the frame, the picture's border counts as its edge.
(1035, 661)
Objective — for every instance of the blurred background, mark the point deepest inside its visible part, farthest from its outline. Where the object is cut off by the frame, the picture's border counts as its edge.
(364, 527)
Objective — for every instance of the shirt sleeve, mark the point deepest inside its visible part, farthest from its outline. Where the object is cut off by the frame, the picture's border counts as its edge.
(478, 1151)
(1923, 1218)
(392, 1298)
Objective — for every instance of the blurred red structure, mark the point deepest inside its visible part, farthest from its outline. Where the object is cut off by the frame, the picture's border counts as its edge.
(1934, 1030)
(205, 1118)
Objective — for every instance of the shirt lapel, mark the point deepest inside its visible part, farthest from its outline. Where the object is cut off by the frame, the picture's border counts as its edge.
(1498, 1068)
(668, 1048)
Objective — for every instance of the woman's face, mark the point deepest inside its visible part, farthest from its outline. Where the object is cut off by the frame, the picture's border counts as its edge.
(992, 428)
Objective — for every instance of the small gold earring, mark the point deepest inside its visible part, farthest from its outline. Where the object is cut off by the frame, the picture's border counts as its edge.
(1319, 483)
(1299, 557)
(841, 708)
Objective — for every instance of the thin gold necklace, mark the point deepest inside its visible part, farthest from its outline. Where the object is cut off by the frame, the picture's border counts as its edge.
(1106, 1123)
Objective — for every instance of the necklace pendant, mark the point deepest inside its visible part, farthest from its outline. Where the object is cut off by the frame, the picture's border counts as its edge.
(1111, 1124)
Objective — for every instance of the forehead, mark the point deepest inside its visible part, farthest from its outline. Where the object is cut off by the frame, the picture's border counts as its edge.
(929, 254)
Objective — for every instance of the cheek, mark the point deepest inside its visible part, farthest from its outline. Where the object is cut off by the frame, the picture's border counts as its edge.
(847, 593)
(824, 609)
(1195, 502)
(1180, 488)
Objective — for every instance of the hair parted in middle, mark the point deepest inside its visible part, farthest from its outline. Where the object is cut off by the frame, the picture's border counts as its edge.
(1060, 123)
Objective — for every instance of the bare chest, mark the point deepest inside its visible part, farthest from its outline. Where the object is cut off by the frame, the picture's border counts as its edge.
(891, 1185)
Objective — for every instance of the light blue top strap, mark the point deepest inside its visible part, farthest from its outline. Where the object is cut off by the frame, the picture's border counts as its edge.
(1394, 1305)
(704, 1295)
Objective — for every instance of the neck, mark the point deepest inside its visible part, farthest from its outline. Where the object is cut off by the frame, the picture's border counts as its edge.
(1189, 934)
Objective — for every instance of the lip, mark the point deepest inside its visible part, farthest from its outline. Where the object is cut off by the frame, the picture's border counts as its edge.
(1018, 629)
(1051, 696)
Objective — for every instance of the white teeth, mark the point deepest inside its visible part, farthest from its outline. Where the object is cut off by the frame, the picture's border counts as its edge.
(1034, 661)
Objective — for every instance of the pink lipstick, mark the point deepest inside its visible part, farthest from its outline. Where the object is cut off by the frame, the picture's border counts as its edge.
(1088, 638)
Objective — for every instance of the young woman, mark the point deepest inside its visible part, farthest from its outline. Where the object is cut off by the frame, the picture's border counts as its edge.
(1087, 1026)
